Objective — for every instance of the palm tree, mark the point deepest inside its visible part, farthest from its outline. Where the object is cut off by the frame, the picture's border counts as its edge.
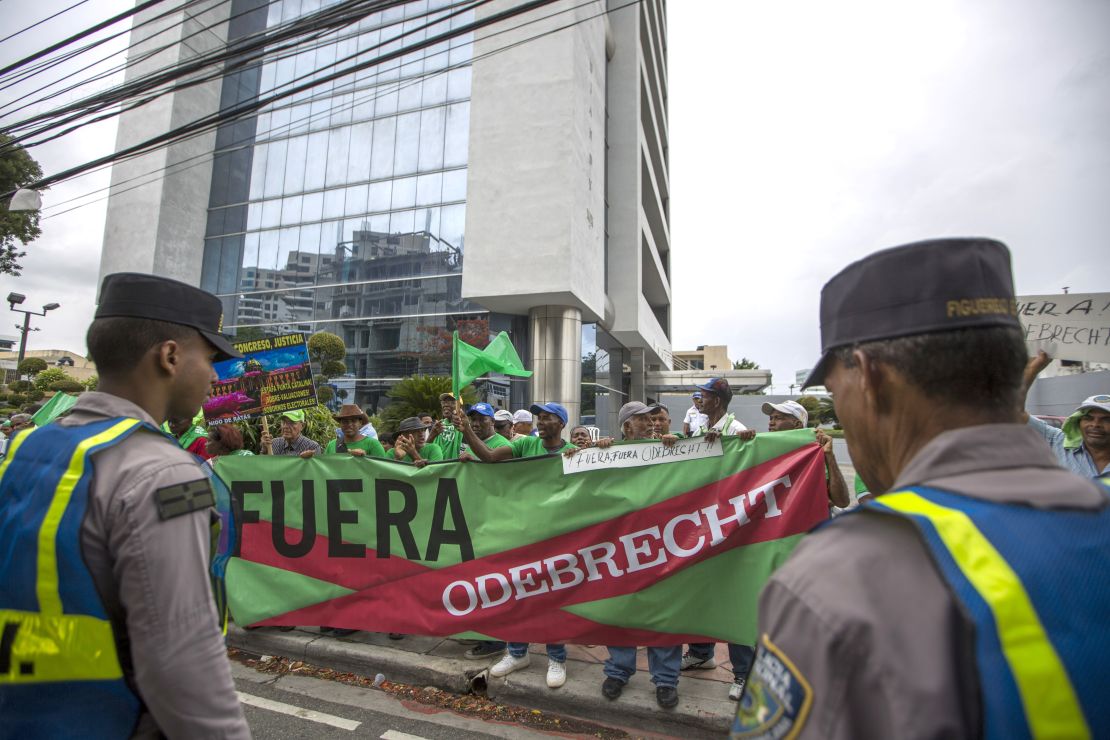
(418, 395)
(826, 411)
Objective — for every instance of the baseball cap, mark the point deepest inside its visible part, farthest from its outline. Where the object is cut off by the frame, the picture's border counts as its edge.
(296, 416)
(482, 408)
(140, 296)
(522, 416)
(697, 394)
(630, 409)
(503, 415)
(920, 288)
(1100, 401)
(718, 387)
(551, 408)
(790, 408)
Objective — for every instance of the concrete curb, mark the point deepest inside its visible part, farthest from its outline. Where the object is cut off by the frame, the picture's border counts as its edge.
(702, 711)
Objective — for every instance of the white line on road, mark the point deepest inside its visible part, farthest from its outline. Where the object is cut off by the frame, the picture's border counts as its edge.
(395, 735)
(309, 714)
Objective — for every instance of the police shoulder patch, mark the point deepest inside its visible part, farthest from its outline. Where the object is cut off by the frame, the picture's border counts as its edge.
(182, 498)
(777, 698)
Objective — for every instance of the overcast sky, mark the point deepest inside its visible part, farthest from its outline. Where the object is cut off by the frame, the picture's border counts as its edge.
(803, 136)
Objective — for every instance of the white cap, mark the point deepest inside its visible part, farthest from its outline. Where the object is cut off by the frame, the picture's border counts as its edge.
(502, 415)
(790, 408)
(1099, 401)
(522, 416)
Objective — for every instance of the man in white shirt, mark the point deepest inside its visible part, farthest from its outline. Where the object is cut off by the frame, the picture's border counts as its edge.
(695, 420)
(715, 398)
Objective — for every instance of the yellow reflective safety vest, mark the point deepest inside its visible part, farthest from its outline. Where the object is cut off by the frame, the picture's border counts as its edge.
(60, 674)
(1036, 584)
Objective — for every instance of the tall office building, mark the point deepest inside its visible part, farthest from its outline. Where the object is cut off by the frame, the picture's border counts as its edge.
(512, 178)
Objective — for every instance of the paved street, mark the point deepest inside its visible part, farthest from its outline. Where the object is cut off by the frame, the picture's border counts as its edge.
(301, 707)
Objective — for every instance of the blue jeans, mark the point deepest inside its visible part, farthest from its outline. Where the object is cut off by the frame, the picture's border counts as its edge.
(740, 656)
(663, 664)
(557, 653)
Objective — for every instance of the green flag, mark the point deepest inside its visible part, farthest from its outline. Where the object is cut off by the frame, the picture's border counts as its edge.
(52, 409)
(469, 363)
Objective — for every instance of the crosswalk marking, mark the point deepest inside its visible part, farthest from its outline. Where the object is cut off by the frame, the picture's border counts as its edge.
(397, 735)
(309, 714)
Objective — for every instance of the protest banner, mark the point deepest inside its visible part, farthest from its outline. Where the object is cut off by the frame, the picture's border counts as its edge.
(658, 554)
(1070, 326)
(274, 375)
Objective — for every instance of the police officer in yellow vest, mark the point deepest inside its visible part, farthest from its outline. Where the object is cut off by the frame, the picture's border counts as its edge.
(109, 626)
(971, 599)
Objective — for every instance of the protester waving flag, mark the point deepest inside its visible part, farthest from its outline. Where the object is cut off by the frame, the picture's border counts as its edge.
(469, 363)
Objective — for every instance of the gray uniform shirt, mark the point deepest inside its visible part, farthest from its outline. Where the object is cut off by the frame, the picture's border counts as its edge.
(864, 617)
(152, 576)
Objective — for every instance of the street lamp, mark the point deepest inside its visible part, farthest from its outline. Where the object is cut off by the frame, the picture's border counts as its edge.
(15, 299)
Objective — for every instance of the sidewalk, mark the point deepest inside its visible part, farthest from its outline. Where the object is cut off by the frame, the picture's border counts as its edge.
(704, 709)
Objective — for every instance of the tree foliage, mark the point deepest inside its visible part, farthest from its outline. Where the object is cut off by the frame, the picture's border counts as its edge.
(17, 169)
(416, 396)
(51, 375)
(20, 386)
(323, 346)
(92, 383)
(67, 386)
(812, 406)
(826, 411)
(32, 366)
(745, 364)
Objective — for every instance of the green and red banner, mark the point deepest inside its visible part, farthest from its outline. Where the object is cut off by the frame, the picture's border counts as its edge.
(651, 555)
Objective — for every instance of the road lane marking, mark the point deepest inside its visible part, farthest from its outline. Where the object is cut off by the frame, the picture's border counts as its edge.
(397, 735)
(309, 714)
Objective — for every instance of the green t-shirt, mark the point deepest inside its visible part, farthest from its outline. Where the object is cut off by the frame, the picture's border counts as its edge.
(449, 441)
(528, 446)
(369, 445)
(860, 486)
(493, 443)
(430, 452)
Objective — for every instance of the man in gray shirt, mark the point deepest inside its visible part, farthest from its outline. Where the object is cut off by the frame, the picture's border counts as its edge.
(116, 629)
(291, 441)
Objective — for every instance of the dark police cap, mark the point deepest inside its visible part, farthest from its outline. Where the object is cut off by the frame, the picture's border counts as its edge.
(920, 288)
(139, 296)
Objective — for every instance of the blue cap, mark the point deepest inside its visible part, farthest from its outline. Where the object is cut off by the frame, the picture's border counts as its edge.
(697, 394)
(551, 408)
(720, 388)
(482, 408)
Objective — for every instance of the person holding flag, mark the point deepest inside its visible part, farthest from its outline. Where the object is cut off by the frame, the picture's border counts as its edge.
(444, 433)
(480, 417)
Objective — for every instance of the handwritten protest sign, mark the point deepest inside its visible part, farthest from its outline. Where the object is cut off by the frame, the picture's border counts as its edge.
(1072, 326)
(633, 456)
(274, 375)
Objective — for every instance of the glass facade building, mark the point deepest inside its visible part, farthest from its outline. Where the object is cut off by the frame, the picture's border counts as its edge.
(343, 207)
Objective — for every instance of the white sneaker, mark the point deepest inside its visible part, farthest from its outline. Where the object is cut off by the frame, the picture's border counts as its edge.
(691, 661)
(736, 690)
(508, 664)
(556, 673)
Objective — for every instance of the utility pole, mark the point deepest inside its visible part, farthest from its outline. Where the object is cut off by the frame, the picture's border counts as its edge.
(15, 299)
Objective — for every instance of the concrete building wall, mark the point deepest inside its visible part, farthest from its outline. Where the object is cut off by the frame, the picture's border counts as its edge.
(155, 222)
(535, 189)
(1061, 395)
(638, 182)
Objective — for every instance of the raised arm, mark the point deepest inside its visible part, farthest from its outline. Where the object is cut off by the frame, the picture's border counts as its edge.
(477, 446)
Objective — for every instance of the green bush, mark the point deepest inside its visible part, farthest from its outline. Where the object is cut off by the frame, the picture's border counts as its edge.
(92, 383)
(49, 377)
(20, 386)
(65, 386)
(16, 400)
(34, 394)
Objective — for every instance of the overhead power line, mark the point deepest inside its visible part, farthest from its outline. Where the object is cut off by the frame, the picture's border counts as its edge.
(44, 20)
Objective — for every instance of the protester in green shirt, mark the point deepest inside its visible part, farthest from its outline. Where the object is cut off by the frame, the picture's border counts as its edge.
(480, 417)
(551, 420)
(580, 437)
(351, 419)
(446, 434)
(409, 446)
